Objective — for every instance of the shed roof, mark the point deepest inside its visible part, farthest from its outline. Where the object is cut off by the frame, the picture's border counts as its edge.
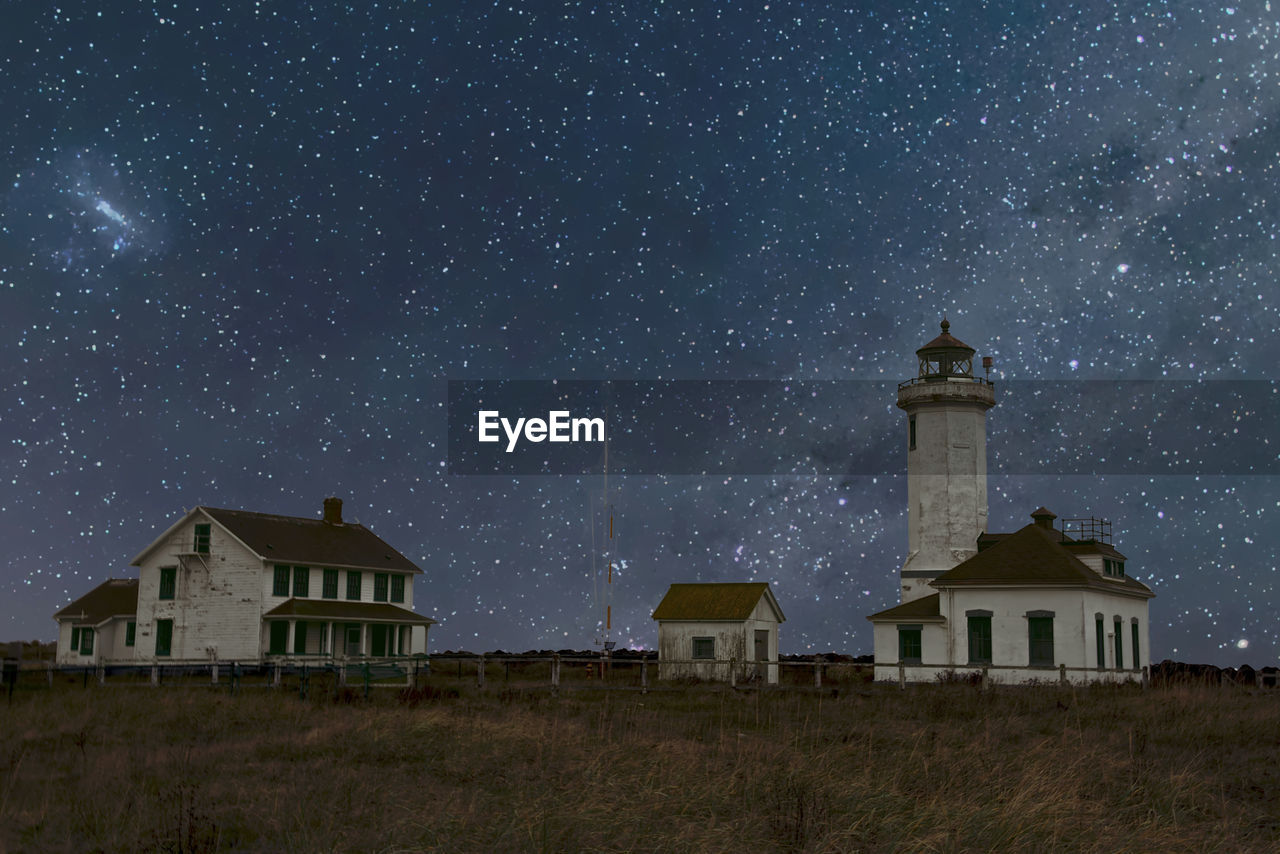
(115, 597)
(328, 609)
(715, 601)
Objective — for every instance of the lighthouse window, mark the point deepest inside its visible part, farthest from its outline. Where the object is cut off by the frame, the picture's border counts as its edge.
(909, 646)
(912, 423)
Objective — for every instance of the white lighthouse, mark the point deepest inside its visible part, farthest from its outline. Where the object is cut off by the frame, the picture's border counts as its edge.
(946, 408)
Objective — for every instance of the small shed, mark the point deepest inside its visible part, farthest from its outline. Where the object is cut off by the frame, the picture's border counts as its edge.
(711, 630)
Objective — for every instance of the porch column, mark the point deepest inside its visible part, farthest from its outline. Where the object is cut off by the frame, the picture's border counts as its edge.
(333, 640)
(288, 644)
(364, 639)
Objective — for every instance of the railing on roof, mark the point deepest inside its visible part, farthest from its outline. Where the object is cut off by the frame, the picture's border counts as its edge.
(1087, 529)
(938, 378)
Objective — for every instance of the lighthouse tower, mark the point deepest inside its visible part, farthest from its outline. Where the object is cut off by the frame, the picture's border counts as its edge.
(946, 408)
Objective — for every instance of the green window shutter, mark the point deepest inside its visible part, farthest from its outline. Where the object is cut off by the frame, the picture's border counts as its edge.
(330, 584)
(130, 633)
(280, 583)
(86, 641)
(75, 638)
(279, 638)
(1102, 644)
(1040, 641)
(910, 644)
(168, 582)
(979, 640)
(704, 648)
(397, 588)
(201, 545)
(1137, 661)
(353, 586)
(300, 638)
(301, 581)
(380, 587)
(164, 636)
(1119, 645)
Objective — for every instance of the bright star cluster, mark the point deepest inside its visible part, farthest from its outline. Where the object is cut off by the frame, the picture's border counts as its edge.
(243, 247)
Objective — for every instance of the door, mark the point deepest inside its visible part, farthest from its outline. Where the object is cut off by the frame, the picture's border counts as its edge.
(762, 653)
(353, 640)
(378, 641)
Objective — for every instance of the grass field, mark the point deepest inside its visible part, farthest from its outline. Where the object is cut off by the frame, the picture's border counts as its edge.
(694, 768)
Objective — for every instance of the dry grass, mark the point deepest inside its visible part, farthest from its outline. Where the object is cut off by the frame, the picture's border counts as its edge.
(702, 769)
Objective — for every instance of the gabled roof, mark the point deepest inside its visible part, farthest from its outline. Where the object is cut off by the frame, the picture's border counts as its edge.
(1033, 555)
(115, 597)
(925, 609)
(299, 540)
(715, 601)
(329, 609)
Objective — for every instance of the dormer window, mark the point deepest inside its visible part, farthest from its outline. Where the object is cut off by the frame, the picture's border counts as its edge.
(1113, 568)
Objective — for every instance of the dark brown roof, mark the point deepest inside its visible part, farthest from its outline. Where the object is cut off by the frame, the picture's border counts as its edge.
(712, 601)
(926, 608)
(1033, 555)
(313, 542)
(115, 597)
(947, 340)
(328, 609)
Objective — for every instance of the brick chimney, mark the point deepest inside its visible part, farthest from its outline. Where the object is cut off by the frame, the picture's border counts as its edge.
(333, 511)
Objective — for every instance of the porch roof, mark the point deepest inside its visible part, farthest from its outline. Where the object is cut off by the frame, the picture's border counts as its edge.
(346, 612)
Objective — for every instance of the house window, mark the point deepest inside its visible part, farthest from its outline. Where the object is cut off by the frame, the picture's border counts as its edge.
(353, 586)
(911, 444)
(279, 644)
(1114, 568)
(380, 587)
(909, 644)
(300, 638)
(1119, 644)
(168, 582)
(397, 588)
(164, 636)
(1040, 638)
(704, 648)
(201, 545)
(1137, 662)
(979, 637)
(130, 633)
(280, 585)
(301, 581)
(1102, 641)
(330, 584)
(86, 641)
(75, 638)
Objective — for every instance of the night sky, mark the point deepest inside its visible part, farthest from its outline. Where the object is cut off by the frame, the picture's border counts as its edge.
(242, 253)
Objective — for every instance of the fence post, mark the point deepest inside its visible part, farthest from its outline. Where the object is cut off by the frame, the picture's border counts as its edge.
(1145, 677)
(213, 671)
(555, 671)
(102, 674)
(644, 674)
(733, 673)
(50, 674)
(342, 675)
(480, 671)
(155, 674)
(1062, 674)
(275, 676)
(902, 676)
(986, 679)
(413, 676)
(817, 671)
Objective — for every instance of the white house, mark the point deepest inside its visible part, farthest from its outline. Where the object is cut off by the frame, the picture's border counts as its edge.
(710, 630)
(1021, 605)
(231, 585)
(100, 626)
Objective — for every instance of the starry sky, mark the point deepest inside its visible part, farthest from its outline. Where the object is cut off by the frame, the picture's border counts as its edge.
(244, 250)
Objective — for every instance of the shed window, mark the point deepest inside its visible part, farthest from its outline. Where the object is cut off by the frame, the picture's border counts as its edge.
(301, 581)
(1040, 640)
(164, 636)
(201, 544)
(380, 582)
(168, 582)
(280, 584)
(330, 584)
(353, 586)
(130, 633)
(704, 647)
(397, 588)
(979, 640)
(909, 644)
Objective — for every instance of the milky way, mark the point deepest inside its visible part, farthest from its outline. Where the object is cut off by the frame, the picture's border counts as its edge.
(244, 250)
